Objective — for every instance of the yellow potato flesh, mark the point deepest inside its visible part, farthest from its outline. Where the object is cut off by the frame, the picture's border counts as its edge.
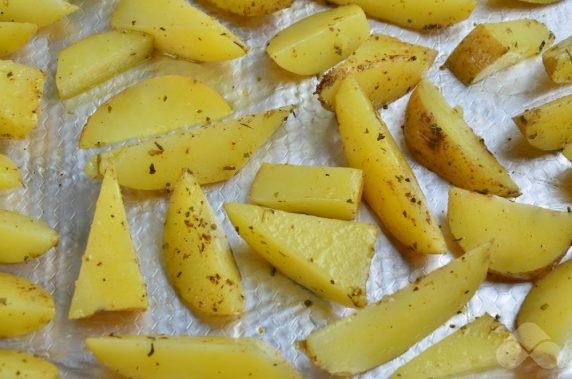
(9, 173)
(333, 192)
(558, 62)
(39, 12)
(109, 278)
(24, 306)
(319, 41)
(152, 107)
(329, 257)
(14, 35)
(142, 357)
(15, 364)
(390, 186)
(568, 151)
(252, 8)
(385, 330)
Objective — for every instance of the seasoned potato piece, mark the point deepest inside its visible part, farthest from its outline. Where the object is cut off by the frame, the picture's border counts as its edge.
(22, 88)
(154, 106)
(390, 187)
(15, 364)
(39, 12)
(385, 68)
(251, 8)
(329, 257)
(213, 357)
(109, 278)
(528, 240)
(14, 35)
(549, 126)
(24, 306)
(490, 48)
(94, 59)
(558, 62)
(158, 163)
(179, 29)
(385, 330)
(440, 139)
(9, 174)
(320, 41)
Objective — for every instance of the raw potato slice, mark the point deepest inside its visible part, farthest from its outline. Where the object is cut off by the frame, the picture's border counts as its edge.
(15, 364)
(179, 29)
(9, 174)
(14, 35)
(482, 345)
(109, 278)
(161, 357)
(490, 48)
(333, 192)
(158, 163)
(390, 187)
(558, 62)
(386, 68)
(154, 106)
(99, 57)
(22, 88)
(318, 42)
(24, 306)
(385, 330)
(39, 12)
(251, 8)
(439, 138)
(198, 259)
(24, 238)
(528, 240)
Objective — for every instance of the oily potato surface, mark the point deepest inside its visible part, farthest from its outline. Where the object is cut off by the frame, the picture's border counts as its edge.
(9, 173)
(17, 364)
(250, 8)
(14, 35)
(39, 12)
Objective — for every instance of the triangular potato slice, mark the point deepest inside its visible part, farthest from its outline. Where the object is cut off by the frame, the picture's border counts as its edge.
(16, 364)
(39, 12)
(109, 278)
(9, 173)
(14, 35)
(330, 257)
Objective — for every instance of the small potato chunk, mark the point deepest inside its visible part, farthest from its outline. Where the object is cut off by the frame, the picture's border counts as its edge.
(390, 186)
(22, 88)
(24, 306)
(213, 357)
(109, 278)
(439, 138)
(558, 62)
(9, 174)
(179, 29)
(490, 48)
(154, 106)
(318, 42)
(386, 68)
(14, 35)
(385, 330)
(99, 57)
(333, 192)
(549, 126)
(528, 240)
(251, 8)
(15, 364)
(39, 12)
(329, 257)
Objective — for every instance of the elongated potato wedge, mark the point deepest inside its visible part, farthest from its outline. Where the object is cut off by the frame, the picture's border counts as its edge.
(99, 57)
(439, 138)
(329, 257)
(14, 35)
(320, 41)
(386, 68)
(385, 330)
(9, 173)
(490, 48)
(179, 29)
(146, 357)
(15, 364)
(251, 8)
(109, 278)
(528, 240)
(390, 187)
(198, 259)
(39, 12)
(158, 163)
(558, 62)
(24, 306)
(154, 106)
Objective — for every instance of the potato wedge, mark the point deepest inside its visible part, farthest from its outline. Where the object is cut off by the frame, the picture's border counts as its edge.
(147, 357)
(386, 68)
(251, 8)
(22, 89)
(109, 278)
(9, 173)
(24, 306)
(558, 62)
(549, 126)
(24, 238)
(153, 106)
(99, 57)
(320, 41)
(482, 345)
(329, 257)
(179, 29)
(439, 138)
(385, 330)
(14, 35)
(15, 364)
(198, 259)
(39, 12)
(390, 187)
(490, 48)
(158, 163)
(528, 240)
